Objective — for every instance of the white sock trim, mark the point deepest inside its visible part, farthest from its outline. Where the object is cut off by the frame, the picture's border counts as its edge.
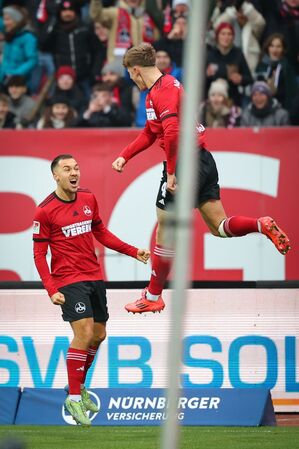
(75, 397)
(151, 297)
(221, 230)
(259, 226)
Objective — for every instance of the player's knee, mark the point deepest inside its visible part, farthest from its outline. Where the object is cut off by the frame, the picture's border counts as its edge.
(99, 338)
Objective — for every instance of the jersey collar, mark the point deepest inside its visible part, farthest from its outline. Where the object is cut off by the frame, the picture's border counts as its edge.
(163, 74)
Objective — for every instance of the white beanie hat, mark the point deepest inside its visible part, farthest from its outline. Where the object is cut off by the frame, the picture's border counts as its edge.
(220, 86)
(180, 2)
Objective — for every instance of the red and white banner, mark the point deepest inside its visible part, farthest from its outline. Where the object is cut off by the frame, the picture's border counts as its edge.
(257, 172)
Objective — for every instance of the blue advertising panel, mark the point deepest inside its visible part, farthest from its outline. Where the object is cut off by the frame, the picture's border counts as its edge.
(9, 400)
(148, 407)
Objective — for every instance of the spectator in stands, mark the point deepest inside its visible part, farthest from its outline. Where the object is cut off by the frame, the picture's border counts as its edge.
(20, 53)
(264, 110)
(8, 119)
(113, 76)
(277, 71)
(20, 103)
(180, 8)
(128, 24)
(102, 111)
(100, 51)
(248, 24)
(165, 65)
(66, 88)
(227, 61)
(58, 115)
(282, 16)
(70, 41)
(218, 111)
(173, 43)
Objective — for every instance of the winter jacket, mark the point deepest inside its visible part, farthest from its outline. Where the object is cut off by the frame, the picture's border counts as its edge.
(113, 117)
(276, 116)
(281, 77)
(246, 37)
(22, 107)
(109, 17)
(234, 58)
(70, 45)
(10, 121)
(20, 55)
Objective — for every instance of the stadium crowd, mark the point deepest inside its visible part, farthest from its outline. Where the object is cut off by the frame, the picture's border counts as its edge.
(61, 61)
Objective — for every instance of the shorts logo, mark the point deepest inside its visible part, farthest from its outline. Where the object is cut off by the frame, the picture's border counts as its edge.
(36, 227)
(80, 307)
(87, 210)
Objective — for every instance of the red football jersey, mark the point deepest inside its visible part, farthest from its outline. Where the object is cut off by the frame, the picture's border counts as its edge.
(163, 101)
(68, 228)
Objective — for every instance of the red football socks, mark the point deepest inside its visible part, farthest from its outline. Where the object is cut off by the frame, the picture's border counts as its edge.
(75, 362)
(161, 266)
(237, 226)
(91, 353)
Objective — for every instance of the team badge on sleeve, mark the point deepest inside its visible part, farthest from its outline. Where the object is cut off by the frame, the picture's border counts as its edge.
(36, 227)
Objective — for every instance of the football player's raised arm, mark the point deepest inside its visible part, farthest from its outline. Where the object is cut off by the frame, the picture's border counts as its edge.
(143, 141)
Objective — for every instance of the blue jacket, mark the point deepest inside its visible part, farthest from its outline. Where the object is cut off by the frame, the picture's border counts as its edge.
(20, 55)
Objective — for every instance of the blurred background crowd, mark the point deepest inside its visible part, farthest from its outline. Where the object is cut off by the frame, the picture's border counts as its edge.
(61, 61)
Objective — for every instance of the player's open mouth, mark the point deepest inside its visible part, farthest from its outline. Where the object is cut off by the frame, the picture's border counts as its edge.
(73, 182)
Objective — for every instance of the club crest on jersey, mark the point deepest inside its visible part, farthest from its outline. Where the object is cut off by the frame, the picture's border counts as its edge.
(200, 128)
(87, 210)
(150, 114)
(36, 227)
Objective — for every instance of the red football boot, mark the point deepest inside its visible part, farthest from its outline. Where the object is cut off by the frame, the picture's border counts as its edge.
(143, 305)
(279, 238)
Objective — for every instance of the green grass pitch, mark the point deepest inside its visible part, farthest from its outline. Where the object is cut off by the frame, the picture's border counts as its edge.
(60, 437)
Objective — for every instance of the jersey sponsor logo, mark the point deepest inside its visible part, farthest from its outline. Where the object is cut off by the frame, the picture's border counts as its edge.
(36, 227)
(77, 228)
(177, 84)
(87, 210)
(150, 114)
(80, 307)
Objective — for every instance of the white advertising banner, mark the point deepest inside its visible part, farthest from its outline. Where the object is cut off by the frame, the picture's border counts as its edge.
(240, 338)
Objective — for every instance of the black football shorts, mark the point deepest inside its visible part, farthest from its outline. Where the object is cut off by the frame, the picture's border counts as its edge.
(85, 300)
(206, 187)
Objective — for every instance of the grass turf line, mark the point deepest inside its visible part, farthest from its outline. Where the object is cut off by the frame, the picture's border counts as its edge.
(60, 437)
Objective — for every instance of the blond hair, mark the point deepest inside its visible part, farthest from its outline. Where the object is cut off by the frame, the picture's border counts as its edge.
(143, 55)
